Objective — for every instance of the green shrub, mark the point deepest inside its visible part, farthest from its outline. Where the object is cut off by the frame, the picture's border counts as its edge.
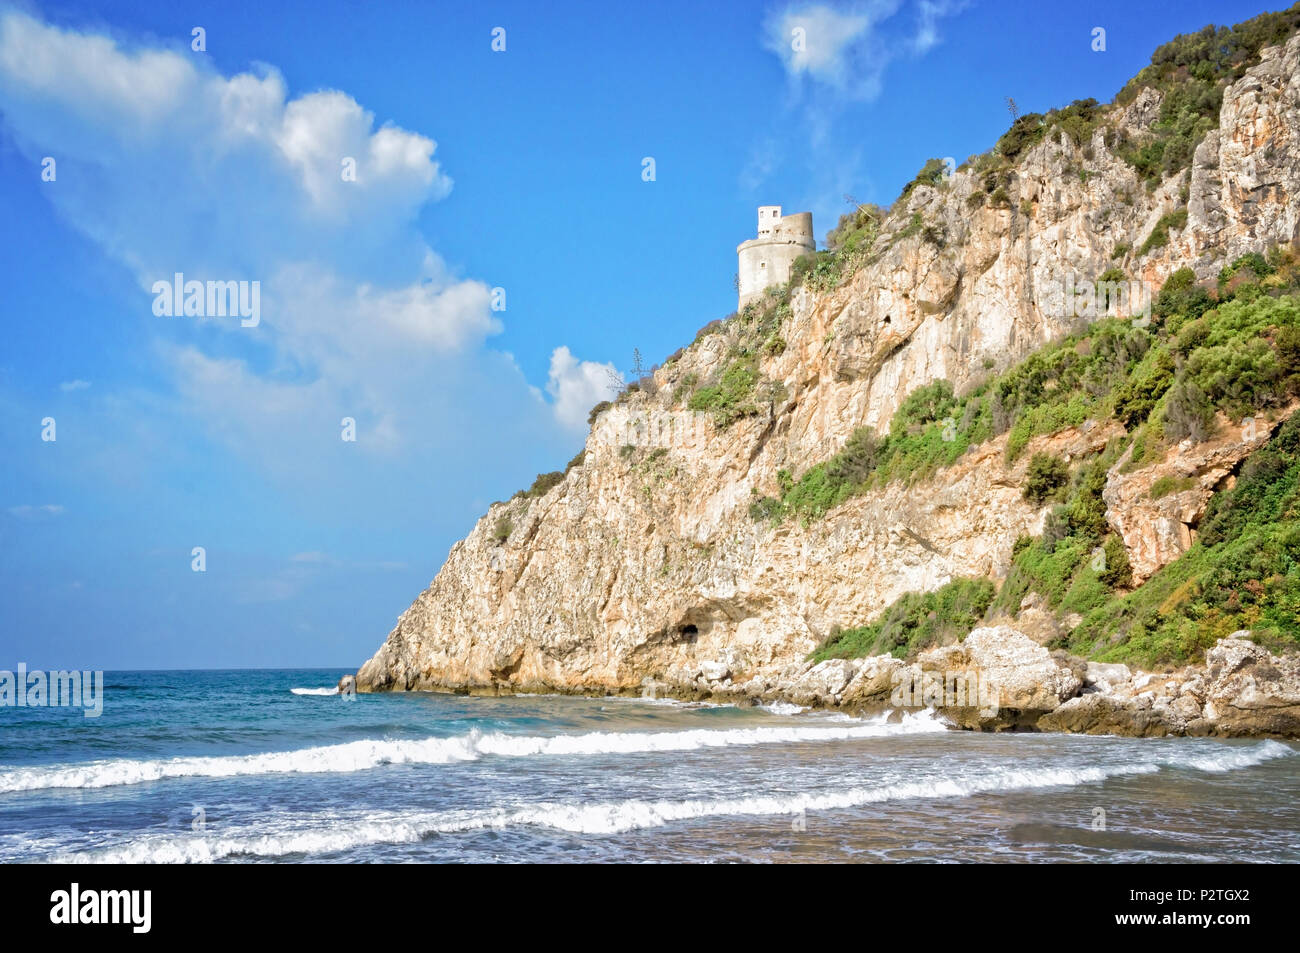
(914, 622)
(1191, 71)
(932, 173)
(1181, 295)
(1116, 572)
(502, 530)
(1188, 413)
(542, 485)
(1138, 395)
(1243, 572)
(1159, 236)
(1078, 120)
(1251, 263)
(857, 461)
(855, 233)
(1045, 477)
(1165, 485)
(1026, 131)
(768, 509)
(732, 397)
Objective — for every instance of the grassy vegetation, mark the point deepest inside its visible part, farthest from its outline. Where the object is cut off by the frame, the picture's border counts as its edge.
(1233, 350)
(1060, 386)
(1163, 383)
(1159, 236)
(915, 621)
(930, 429)
(740, 390)
(731, 397)
(502, 530)
(1243, 572)
(1166, 485)
(1076, 561)
(1191, 72)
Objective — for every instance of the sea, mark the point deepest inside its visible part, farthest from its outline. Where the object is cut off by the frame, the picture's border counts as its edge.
(277, 767)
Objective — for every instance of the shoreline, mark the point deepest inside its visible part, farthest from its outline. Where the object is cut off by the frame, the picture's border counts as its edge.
(1241, 690)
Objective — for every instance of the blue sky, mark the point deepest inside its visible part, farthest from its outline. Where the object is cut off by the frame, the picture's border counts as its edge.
(476, 169)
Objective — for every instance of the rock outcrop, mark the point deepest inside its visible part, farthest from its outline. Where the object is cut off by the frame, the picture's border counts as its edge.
(1157, 529)
(643, 565)
(1241, 690)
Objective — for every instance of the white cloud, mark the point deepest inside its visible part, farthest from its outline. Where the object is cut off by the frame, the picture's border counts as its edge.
(29, 512)
(929, 13)
(833, 46)
(309, 557)
(69, 386)
(172, 167)
(576, 386)
(842, 47)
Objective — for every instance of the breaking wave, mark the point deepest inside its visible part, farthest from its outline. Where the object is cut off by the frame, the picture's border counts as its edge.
(367, 754)
(332, 832)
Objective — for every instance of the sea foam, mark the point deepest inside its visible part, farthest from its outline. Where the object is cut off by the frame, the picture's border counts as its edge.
(329, 832)
(367, 754)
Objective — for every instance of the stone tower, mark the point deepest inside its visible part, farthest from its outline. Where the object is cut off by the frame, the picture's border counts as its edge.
(766, 260)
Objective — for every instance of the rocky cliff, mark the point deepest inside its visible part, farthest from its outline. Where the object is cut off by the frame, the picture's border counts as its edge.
(642, 565)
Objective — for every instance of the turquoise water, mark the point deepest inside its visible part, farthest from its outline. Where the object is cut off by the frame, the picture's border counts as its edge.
(238, 766)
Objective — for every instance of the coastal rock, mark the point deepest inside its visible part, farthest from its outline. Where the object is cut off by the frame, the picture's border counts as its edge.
(1158, 530)
(1025, 675)
(1100, 714)
(1251, 691)
(644, 562)
(1107, 677)
(824, 683)
(876, 679)
(1241, 690)
(996, 678)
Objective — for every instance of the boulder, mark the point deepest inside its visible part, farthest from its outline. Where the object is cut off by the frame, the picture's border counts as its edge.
(1250, 690)
(1106, 676)
(875, 681)
(1100, 714)
(714, 671)
(824, 683)
(1025, 679)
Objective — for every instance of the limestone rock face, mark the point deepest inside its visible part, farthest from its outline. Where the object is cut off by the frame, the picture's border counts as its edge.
(1020, 676)
(1251, 691)
(1156, 531)
(1098, 714)
(643, 565)
(1241, 690)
